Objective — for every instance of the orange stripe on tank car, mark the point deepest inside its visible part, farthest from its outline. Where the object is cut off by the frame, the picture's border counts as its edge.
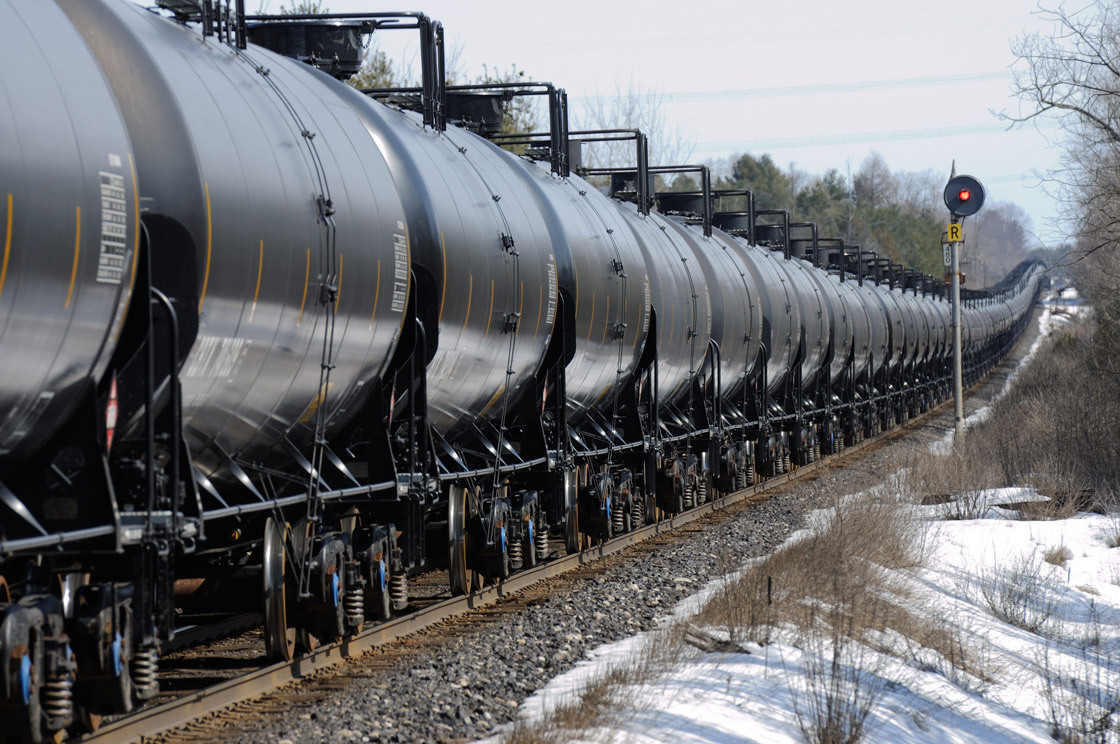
(306, 278)
(490, 316)
(443, 293)
(257, 291)
(591, 323)
(601, 394)
(77, 251)
(470, 296)
(540, 308)
(209, 247)
(408, 284)
(376, 293)
(135, 225)
(493, 400)
(7, 246)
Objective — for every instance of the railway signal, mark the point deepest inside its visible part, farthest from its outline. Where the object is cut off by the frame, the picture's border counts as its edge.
(964, 195)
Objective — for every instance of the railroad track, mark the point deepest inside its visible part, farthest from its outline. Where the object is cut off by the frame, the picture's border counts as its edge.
(198, 690)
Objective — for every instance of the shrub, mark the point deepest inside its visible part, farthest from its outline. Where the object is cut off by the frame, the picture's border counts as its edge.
(1058, 556)
(1019, 593)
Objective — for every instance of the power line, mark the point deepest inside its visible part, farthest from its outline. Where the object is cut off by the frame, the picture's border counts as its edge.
(851, 138)
(815, 89)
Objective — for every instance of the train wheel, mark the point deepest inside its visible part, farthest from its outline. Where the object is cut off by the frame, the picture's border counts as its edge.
(29, 672)
(529, 541)
(84, 722)
(279, 637)
(377, 590)
(458, 572)
(572, 537)
(306, 641)
(569, 495)
(573, 482)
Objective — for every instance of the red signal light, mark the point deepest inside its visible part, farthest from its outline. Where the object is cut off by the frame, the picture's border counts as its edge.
(964, 196)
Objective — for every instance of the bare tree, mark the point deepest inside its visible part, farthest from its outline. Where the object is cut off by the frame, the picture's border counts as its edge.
(1074, 75)
(377, 70)
(997, 240)
(631, 108)
(920, 190)
(874, 185)
(303, 7)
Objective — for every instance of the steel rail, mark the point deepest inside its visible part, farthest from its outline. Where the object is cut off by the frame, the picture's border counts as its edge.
(150, 722)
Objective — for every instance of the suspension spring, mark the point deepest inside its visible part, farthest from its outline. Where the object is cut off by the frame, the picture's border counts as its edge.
(750, 475)
(144, 668)
(637, 513)
(702, 491)
(398, 591)
(689, 495)
(618, 521)
(354, 604)
(58, 692)
(542, 546)
(515, 556)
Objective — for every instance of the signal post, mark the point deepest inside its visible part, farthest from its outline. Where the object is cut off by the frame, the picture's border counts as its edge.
(964, 195)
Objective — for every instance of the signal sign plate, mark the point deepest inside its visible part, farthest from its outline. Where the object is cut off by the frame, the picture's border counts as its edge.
(948, 251)
(956, 233)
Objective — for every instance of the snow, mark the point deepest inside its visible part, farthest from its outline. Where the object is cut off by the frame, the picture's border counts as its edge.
(755, 694)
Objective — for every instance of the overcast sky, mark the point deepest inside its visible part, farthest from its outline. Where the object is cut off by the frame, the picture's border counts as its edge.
(816, 83)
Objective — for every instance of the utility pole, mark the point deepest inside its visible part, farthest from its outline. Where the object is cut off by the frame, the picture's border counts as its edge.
(964, 195)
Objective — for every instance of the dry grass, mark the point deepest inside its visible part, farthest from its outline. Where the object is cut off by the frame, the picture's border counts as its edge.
(1018, 592)
(598, 705)
(1083, 693)
(1112, 535)
(838, 564)
(951, 647)
(834, 697)
(1053, 431)
(1058, 556)
(834, 588)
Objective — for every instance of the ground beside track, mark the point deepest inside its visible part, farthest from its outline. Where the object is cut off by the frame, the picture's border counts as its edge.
(458, 682)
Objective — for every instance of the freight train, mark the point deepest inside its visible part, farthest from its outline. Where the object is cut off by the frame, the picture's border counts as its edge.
(260, 328)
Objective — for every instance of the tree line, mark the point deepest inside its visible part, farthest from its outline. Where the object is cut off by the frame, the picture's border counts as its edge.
(900, 215)
(1072, 74)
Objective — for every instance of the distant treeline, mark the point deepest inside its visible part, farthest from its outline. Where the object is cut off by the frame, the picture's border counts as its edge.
(900, 215)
